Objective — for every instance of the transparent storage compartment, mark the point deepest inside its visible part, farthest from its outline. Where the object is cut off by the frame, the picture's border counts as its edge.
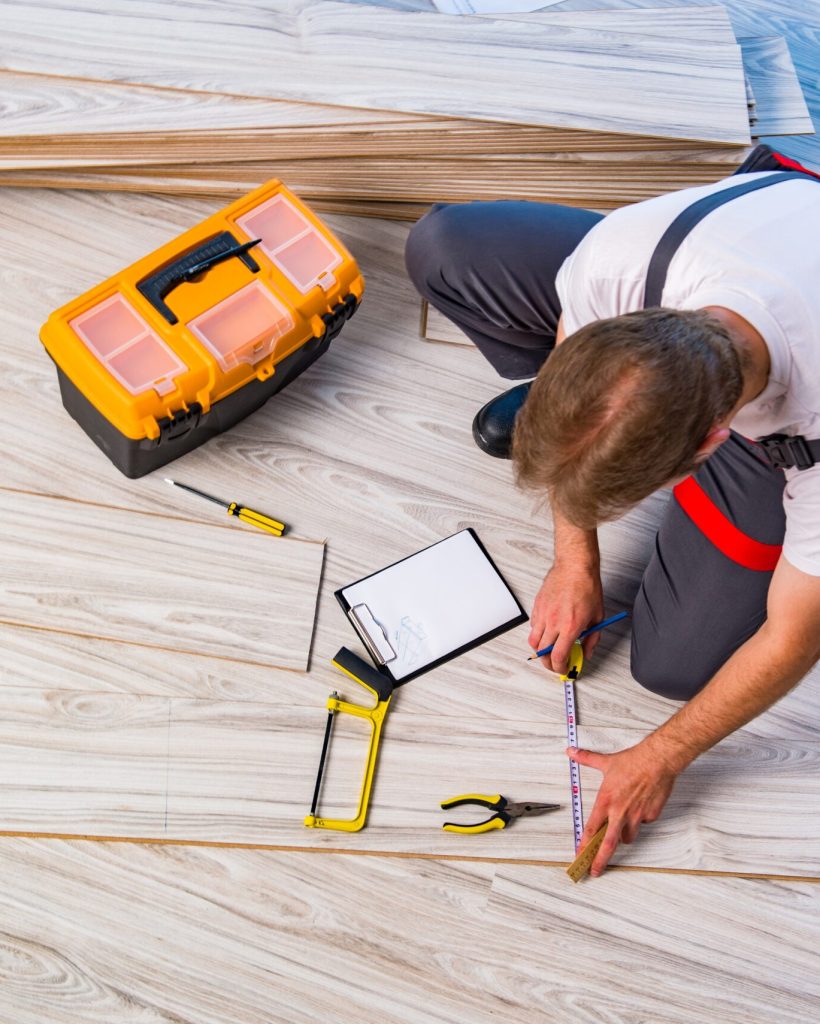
(294, 245)
(243, 328)
(127, 347)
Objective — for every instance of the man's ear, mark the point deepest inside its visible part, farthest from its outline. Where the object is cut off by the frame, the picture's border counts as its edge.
(714, 439)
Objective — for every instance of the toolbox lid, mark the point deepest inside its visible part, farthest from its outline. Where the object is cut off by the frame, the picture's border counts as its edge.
(244, 327)
(293, 243)
(127, 347)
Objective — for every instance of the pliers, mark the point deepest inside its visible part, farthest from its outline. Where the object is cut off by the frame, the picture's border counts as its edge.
(504, 811)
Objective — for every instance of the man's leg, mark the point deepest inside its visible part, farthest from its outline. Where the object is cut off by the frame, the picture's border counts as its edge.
(490, 267)
(697, 604)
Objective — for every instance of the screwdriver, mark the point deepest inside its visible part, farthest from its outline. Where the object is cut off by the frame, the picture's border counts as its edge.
(247, 515)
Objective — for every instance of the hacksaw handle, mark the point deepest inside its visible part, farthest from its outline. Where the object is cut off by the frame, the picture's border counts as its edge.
(359, 670)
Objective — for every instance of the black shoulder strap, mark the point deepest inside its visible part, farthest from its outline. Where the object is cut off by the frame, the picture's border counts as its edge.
(783, 452)
(692, 215)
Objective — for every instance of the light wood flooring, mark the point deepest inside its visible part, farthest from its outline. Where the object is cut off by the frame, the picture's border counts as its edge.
(154, 864)
(370, 451)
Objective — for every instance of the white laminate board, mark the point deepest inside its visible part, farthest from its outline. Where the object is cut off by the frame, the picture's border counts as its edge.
(96, 933)
(425, 63)
(228, 591)
(780, 107)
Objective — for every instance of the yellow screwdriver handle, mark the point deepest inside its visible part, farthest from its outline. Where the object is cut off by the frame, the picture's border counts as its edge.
(262, 522)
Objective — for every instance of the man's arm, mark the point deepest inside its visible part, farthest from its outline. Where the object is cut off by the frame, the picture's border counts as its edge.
(637, 781)
(571, 596)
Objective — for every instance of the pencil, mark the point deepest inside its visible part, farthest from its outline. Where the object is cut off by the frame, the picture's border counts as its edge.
(586, 632)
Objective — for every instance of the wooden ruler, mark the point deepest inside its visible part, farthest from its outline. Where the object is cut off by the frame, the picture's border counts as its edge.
(583, 862)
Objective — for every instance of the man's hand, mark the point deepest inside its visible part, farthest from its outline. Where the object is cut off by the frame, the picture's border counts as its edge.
(636, 786)
(570, 599)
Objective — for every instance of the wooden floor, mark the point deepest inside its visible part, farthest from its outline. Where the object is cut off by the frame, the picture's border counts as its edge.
(154, 864)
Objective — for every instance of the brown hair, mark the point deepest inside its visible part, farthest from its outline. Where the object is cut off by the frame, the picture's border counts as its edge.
(621, 407)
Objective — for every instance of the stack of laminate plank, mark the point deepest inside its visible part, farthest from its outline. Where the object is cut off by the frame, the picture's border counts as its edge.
(377, 111)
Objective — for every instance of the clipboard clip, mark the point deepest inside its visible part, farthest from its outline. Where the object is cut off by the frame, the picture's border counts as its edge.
(372, 633)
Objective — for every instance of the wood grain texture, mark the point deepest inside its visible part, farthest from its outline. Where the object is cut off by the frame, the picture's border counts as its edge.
(243, 772)
(527, 73)
(798, 23)
(157, 580)
(119, 935)
(780, 107)
(245, 742)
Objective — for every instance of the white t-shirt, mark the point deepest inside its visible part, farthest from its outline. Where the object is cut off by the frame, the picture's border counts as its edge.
(759, 256)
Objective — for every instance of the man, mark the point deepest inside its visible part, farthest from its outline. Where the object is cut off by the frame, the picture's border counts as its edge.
(634, 399)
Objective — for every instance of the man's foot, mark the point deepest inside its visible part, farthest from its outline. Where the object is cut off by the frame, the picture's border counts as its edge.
(494, 422)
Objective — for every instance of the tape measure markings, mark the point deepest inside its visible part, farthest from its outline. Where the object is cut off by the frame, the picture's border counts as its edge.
(574, 767)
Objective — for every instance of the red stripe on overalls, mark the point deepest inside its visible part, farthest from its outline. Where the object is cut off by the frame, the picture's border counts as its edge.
(722, 532)
(793, 165)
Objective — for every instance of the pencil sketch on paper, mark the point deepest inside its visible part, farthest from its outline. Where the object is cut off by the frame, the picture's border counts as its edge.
(409, 640)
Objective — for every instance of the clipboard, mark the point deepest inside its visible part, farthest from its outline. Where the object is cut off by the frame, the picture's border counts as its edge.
(431, 606)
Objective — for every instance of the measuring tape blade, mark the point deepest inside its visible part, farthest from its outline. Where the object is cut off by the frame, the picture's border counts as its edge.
(574, 767)
(576, 663)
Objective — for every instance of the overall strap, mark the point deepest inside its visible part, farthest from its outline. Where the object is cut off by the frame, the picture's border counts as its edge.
(784, 452)
(692, 215)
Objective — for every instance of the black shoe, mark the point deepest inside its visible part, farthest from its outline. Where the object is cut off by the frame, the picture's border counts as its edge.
(494, 422)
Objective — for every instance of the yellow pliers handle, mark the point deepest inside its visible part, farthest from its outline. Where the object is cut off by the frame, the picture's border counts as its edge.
(261, 522)
(495, 803)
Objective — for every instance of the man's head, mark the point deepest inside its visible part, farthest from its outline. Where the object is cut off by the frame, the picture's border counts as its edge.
(624, 406)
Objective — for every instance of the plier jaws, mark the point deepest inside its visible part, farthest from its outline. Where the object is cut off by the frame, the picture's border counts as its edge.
(503, 811)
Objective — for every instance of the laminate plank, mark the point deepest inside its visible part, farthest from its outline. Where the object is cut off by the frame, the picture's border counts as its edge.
(435, 326)
(107, 932)
(738, 808)
(157, 581)
(404, 185)
(83, 763)
(780, 107)
(695, 945)
(243, 772)
(497, 70)
(798, 23)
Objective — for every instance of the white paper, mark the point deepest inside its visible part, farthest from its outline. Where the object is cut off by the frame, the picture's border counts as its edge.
(492, 6)
(436, 601)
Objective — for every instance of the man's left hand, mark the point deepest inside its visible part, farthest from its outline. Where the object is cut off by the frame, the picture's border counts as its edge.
(636, 785)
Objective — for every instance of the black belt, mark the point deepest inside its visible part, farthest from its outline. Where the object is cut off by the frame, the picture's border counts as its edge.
(784, 451)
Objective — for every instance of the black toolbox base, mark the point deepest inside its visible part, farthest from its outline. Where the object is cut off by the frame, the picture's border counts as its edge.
(136, 458)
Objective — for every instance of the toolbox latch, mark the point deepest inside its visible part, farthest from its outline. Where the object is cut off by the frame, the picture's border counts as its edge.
(172, 427)
(338, 316)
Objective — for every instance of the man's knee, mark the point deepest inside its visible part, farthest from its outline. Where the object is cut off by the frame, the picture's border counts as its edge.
(663, 668)
(429, 247)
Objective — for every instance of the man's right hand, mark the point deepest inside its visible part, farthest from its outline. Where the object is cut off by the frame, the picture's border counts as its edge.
(570, 599)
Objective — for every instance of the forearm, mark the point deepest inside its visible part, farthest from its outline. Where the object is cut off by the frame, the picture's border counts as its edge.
(574, 546)
(757, 675)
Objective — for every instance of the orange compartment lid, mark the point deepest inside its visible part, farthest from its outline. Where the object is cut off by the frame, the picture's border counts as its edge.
(292, 243)
(244, 327)
(127, 347)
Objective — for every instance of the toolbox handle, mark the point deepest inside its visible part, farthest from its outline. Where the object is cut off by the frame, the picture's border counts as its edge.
(192, 265)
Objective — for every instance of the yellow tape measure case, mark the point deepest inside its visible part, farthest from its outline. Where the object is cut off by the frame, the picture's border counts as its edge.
(192, 338)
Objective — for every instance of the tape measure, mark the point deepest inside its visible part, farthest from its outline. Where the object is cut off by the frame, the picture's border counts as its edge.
(576, 661)
(583, 862)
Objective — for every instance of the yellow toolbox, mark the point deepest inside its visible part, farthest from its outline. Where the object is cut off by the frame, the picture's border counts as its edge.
(192, 338)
